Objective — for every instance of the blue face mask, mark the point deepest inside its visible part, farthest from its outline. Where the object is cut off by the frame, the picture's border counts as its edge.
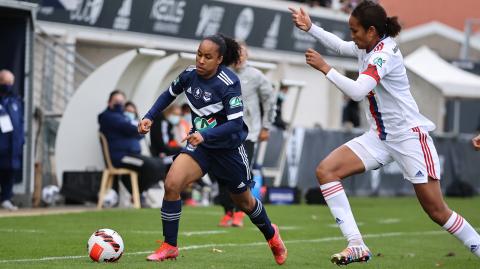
(130, 115)
(174, 119)
(188, 118)
(281, 96)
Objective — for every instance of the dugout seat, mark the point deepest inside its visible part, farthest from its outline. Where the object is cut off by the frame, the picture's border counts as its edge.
(109, 175)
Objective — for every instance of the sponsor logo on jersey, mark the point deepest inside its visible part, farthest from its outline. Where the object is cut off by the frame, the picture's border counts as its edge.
(197, 93)
(378, 61)
(207, 96)
(235, 102)
(202, 123)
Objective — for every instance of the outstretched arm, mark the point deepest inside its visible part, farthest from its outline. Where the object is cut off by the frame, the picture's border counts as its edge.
(302, 20)
(355, 89)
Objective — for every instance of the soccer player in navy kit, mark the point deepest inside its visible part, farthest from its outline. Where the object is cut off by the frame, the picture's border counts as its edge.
(214, 144)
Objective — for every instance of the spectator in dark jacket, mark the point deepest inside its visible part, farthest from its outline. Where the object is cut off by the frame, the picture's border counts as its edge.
(11, 138)
(124, 143)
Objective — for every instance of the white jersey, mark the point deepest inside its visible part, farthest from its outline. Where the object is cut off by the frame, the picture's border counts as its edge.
(390, 107)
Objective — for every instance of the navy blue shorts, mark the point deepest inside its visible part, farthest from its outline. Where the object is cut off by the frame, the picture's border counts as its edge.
(229, 166)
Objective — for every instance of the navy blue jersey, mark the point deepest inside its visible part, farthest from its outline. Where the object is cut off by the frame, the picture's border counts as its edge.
(216, 105)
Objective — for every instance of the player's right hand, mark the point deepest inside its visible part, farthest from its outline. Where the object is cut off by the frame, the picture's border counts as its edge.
(476, 142)
(301, 19)
(144, 126)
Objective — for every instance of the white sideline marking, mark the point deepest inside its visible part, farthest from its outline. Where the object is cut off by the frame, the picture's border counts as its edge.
(388, 221)
(20, 231)
(183, 233)
(324, 239)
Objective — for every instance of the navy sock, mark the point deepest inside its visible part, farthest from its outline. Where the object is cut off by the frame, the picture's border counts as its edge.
(171, 211)
(259, 217)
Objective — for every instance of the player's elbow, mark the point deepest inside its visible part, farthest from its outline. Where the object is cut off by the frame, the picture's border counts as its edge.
(357, 98)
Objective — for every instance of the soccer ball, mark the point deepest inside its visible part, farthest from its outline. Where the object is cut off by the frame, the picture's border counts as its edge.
(105, 245)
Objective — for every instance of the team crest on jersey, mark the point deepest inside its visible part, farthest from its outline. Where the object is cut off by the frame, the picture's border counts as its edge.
(197, 93)
(207, 96)
(202, 123)
(235, 102)
(176, 81)
(378, 61)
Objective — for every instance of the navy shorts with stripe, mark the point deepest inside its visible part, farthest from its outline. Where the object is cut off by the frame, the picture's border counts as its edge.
(229, 166)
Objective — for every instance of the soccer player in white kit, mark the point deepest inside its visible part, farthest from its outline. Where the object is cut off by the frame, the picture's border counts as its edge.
(398, 131)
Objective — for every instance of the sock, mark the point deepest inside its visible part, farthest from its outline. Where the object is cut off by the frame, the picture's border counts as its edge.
(337, 201)
(171, 211)
(259, 217)
(461, 229)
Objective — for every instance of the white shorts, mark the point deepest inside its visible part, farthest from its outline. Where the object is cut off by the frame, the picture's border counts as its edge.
(413, 150)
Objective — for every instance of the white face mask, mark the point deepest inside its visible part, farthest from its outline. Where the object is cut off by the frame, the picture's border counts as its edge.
(188, 118)
(130, 115)
(173, 119)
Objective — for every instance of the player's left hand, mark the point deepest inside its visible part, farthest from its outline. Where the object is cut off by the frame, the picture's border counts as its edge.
(315, 60)
(476, 142)
(193, 139)
(264, 135)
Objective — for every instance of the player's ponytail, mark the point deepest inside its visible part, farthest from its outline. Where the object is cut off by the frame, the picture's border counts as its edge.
(227, 47)
(393, 27)
(369, 13)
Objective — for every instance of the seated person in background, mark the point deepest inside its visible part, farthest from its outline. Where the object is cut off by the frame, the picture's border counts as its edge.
(124, 144)
(163, 136)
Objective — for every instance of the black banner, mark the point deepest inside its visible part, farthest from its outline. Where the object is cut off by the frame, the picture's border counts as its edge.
(194, 19)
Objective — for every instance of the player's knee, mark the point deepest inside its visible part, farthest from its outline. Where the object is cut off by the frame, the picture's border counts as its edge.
(324, 174)
(172, 187)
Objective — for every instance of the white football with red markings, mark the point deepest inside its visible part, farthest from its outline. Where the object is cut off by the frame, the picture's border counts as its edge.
(105, 245)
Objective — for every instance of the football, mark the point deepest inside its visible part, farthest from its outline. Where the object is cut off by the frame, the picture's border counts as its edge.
(105, 245)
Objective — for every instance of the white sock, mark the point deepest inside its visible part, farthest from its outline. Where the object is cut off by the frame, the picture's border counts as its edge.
(461, 229)
(337, 201)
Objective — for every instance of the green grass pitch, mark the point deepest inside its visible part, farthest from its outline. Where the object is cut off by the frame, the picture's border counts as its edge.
(397, 231)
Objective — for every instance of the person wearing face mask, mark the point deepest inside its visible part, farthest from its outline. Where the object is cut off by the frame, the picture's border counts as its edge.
(131, 111)
(118, 124)
(164, 136)
(11, 138)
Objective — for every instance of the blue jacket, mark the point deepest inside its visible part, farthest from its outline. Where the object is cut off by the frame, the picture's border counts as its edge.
(11, 143)
(121, 133)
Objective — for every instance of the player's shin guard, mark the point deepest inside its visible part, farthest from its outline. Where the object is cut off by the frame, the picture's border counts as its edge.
(461, 229)
(259, 217)
(338, 203)
(171, 211)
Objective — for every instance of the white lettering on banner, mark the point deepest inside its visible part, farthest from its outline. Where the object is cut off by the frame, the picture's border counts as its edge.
(244, 24)
(87, 11)
(271, 40)
(122, 21)
(210, 20)
(168, 15)
(302, 39)
(282, 197)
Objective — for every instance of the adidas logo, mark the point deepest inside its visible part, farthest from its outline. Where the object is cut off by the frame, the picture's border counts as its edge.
(419, 174)
(241, 185)
(474, 248)
(338, 221)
